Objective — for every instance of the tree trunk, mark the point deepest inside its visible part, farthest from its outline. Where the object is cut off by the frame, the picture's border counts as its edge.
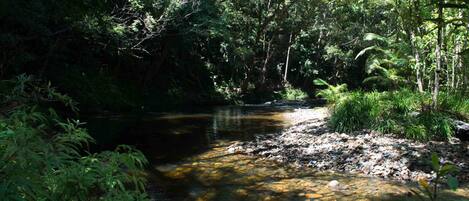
(266, 62)
(465, 78)
(456, 62)
(417, 62)
(439, 45)
(288, 59)
(444, 54)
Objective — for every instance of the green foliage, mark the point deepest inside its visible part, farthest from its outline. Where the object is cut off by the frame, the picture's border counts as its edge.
(26, 90)
(402, 112)
(456, 104)
(135, 49)
(355, 112)
(443, 172)
(427, 125)
(228, 94)
(384, 63)
(290, 93)
(42, 156)
(332, 93)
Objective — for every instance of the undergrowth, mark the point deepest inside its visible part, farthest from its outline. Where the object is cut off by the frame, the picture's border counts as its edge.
(404, 112)
(290, 93)
(43, 156)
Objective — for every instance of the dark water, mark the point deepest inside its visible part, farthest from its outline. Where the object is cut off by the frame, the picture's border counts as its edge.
(171, 136)
(189, 158)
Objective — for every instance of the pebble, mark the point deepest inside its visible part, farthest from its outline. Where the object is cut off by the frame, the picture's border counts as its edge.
(310, 142)
(334, 184)
(313, 196)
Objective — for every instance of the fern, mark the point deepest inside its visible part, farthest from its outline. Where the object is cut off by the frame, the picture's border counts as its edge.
(41, 155)
(383, 62)
(332, 93)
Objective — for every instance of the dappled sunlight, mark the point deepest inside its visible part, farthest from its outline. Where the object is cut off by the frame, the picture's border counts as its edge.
(195, 156)
(218, 175)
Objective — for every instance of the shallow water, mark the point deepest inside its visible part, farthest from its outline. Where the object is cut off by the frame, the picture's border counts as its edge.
(188, 151)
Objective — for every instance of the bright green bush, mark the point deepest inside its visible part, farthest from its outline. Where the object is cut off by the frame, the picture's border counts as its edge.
(290, 93)
(456, 104)
(43, 157)
(331, 93)
(402, 112)
(355, 112)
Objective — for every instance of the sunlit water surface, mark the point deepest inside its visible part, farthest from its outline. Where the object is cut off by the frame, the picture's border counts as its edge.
(189, 158)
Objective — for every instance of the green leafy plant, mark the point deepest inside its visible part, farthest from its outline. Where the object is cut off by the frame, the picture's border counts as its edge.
(290, 93)
(384, 61)
(354, 112)
(331, 93)
(400, 112)
(26, 90)
(443, 172)
(43, 156)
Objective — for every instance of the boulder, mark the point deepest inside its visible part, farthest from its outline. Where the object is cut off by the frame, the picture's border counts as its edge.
(462, 130)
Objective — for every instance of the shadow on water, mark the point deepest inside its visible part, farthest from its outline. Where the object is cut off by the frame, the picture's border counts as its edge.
(172, 136)
(189, 158)
(447, 195)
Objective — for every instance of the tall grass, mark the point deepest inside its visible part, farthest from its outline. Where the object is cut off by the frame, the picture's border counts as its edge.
(355, 112)
(404, 112)
(456, 105)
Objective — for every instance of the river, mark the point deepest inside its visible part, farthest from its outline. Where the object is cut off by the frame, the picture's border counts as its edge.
(189, 158)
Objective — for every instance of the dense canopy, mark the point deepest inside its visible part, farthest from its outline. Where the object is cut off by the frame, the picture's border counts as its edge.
(394, 66)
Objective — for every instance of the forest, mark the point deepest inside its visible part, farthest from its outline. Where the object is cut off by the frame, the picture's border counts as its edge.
(234, 100)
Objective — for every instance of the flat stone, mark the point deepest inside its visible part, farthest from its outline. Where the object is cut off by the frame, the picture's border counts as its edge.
(313, 196)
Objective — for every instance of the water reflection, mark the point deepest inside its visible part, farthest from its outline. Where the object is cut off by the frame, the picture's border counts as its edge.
(173, 136)
(190, 161)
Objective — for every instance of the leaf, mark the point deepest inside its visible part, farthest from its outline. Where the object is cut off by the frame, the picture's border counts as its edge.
(435, 162)
(452, 183)
(320, 82)
(375, 37)
(361, 53)
(424, 183)
(448, 168)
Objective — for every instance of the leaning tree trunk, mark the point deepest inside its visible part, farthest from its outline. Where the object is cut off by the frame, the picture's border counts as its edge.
(288, 59)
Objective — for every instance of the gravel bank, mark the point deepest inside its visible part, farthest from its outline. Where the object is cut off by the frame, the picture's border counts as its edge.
(309, 142)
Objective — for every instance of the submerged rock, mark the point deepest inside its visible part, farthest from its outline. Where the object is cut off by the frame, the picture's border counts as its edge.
(334, 184)
(313, 195)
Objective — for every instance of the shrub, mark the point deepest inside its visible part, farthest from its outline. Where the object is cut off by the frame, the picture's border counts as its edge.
(401, 112)
(455, 104)
(437, 124)
(332, 93)
(355, 112)
(290, 93)
(42, 156)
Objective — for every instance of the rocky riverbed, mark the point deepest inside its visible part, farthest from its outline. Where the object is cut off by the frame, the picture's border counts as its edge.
(309, 142)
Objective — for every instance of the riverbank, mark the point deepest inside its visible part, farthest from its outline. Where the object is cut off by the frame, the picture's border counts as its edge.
(308, 142)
